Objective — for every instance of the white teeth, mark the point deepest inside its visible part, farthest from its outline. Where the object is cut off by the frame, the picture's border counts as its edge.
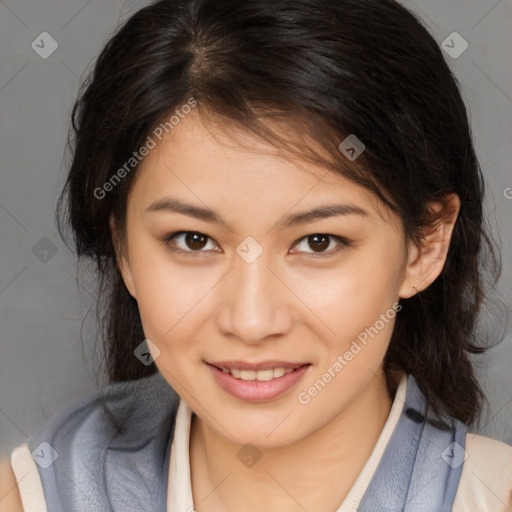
(279, 372)
(260, 375)
(248, 374)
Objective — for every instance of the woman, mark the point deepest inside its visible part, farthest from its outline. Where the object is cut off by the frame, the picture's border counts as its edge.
(285, 209)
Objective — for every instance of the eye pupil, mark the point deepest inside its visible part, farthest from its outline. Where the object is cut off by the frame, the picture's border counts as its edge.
(195, 240)
(320, 242)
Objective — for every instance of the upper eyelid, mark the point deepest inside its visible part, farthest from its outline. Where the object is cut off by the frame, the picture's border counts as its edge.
(168, 238)
(339, 239)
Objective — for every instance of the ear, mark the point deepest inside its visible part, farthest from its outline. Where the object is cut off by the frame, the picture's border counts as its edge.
(122, 260)
(425, 263)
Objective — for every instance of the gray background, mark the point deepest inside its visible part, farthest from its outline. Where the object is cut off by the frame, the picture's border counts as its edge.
(42, 363)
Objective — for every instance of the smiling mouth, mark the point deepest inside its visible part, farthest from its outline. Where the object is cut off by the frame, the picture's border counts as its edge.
(261, 375)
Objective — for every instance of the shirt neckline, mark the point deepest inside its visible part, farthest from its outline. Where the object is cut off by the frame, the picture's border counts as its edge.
(179, 494)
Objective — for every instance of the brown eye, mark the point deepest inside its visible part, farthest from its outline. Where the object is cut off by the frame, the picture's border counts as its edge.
(320, 243)
(195, 241)
(188, 242)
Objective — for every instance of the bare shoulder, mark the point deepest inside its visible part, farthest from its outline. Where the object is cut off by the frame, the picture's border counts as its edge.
(486, 480)
(10, 499)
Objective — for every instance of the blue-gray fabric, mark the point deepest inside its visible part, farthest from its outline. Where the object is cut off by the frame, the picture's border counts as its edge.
(413, 476)
(113, 448)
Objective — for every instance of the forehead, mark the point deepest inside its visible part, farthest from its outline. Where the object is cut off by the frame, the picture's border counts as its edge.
(224, 165)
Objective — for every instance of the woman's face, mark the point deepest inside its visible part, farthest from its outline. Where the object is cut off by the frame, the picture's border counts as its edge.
(256, 285)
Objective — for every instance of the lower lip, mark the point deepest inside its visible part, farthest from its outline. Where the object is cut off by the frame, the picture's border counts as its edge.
(254, 390)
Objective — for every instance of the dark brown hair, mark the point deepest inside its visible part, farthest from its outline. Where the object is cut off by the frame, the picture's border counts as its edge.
(328, 68)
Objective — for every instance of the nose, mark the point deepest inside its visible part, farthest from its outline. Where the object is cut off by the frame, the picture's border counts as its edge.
(255, 304)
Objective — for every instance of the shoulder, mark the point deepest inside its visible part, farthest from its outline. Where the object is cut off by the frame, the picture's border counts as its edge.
(109, 415)
(10, 498)
(486, 480)
(114, 424)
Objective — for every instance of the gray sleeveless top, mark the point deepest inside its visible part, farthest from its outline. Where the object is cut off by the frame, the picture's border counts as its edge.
(110, 450)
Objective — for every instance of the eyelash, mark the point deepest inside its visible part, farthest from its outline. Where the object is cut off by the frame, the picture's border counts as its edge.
(342, 241)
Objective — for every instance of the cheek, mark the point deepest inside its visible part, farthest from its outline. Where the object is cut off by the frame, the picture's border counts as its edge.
(360, 306)
(169, 296)
(354, 295)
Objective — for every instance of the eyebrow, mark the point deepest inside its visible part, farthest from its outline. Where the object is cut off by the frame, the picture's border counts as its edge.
(293, 219)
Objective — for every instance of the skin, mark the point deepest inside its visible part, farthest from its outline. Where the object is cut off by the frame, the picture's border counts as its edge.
(10, 498)
(292, 303)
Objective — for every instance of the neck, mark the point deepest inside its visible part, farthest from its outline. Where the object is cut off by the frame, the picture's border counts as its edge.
(315, 473)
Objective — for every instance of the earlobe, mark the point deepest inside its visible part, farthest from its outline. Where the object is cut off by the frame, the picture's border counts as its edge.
(426, 262)
(122, 260)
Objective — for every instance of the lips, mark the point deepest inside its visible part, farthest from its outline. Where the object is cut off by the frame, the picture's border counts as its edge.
(264, 365)
(262, 388)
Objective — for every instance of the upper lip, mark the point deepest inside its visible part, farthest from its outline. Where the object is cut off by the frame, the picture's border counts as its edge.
(264, 365)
